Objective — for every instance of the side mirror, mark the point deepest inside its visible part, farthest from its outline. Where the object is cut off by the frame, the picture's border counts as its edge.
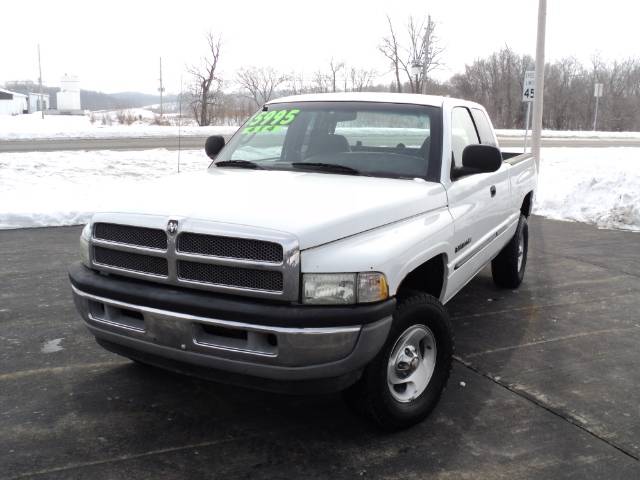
(213, 145)
(482, 158)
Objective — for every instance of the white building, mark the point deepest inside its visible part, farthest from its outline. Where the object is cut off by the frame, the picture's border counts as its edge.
(12, 103)
(68, 98)
(34, 102)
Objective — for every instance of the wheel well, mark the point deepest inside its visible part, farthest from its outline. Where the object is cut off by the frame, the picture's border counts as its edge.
(427, 278)
(527, 204)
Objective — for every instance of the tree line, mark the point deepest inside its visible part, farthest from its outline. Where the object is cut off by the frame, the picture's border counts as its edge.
(569, 102)
(412, 53)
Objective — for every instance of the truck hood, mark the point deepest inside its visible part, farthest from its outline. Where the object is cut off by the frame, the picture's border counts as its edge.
(316, 207)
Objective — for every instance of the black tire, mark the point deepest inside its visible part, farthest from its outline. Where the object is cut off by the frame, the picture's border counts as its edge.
(504, 268)
(371, 395)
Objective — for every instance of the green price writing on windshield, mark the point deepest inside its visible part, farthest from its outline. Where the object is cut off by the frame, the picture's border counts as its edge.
(270, 121)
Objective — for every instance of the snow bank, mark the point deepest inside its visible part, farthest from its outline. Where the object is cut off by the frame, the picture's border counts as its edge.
(594, 185)
(65, 188)
(24, 127)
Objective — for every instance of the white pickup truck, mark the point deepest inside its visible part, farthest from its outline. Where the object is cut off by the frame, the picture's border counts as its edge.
(316, 252)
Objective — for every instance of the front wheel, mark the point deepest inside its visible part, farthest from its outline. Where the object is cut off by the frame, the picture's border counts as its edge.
(403, 384)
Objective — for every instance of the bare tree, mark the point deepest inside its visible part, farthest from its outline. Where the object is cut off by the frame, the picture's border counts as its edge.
(422, 49)
(620, 106)
(324, 81)
(296, 84)
(261, 83)
(391, 49)
(334, 67)
(321, 82)
(568, 94)
(496, 82)
(207, 85)
(360, 79)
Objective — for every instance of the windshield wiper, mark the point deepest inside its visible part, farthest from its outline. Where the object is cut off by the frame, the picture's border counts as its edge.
(237, 164)
(329, 167)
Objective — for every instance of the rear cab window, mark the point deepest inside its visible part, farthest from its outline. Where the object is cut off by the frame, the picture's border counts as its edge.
(388, 129)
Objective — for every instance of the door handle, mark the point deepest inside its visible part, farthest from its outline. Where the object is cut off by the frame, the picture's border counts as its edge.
(493, 190)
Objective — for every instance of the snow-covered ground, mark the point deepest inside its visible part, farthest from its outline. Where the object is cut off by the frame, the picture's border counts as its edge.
(568, 134)
(32, 126)
(62, 188)
(593, 185)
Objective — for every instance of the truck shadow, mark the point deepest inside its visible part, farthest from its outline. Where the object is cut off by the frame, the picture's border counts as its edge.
(271, 435)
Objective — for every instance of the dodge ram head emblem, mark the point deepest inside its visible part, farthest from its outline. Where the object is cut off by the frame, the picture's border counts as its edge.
(172, 227)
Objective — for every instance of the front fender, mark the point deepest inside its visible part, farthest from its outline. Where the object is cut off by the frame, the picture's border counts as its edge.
(395, 249)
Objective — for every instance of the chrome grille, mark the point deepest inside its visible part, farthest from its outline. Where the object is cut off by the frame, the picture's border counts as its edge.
(144, 237)
(131, 261)
(200, 254)
(230, 276)
(230, 247)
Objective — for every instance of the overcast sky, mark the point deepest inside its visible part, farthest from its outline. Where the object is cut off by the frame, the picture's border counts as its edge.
(115, 45)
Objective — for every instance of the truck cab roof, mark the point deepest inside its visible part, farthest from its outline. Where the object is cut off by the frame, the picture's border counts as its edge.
(380, 97)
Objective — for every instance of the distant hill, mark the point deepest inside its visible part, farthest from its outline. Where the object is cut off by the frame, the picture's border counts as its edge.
(92, 100)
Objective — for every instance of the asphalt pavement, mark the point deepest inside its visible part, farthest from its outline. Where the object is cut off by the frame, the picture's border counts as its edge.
(194, 142)
(545, 385)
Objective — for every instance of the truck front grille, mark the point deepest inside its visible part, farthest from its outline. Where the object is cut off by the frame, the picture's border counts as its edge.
(230, 247)
(131, 261)
(144, 237)
(230, 276)
(202, 255)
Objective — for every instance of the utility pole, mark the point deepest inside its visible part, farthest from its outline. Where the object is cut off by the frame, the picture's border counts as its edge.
(161, 89)
(539, 92)
(526, 126)
(40, 82)
(179, 124)
(426, 46)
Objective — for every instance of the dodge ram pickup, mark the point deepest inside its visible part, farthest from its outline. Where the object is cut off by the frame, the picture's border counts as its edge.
(317, 251)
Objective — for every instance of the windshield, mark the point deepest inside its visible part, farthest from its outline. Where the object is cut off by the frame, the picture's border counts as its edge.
(350, 138)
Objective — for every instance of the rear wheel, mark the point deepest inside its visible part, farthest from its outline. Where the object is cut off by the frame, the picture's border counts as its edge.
(508, 267)
(403, 384)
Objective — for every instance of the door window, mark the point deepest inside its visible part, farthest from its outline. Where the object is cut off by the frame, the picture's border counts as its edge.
(463, 133)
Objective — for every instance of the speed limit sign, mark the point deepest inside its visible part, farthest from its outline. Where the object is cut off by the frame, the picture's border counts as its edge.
(529, 85)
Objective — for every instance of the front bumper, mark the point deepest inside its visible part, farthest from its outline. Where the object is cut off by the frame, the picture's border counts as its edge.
(160, 324)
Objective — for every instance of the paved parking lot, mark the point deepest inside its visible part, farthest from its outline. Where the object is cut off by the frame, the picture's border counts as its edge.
(546, 384)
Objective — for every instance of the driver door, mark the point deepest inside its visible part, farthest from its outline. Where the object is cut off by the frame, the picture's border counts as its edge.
(477, 204)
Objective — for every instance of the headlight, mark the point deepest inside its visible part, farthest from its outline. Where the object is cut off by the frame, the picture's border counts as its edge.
(343, 288)
(85, 237)
(329, 288)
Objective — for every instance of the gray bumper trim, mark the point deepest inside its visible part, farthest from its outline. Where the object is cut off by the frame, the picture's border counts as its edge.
(277, 353)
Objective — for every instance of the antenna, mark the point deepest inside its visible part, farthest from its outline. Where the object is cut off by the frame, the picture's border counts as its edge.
(179, 122)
